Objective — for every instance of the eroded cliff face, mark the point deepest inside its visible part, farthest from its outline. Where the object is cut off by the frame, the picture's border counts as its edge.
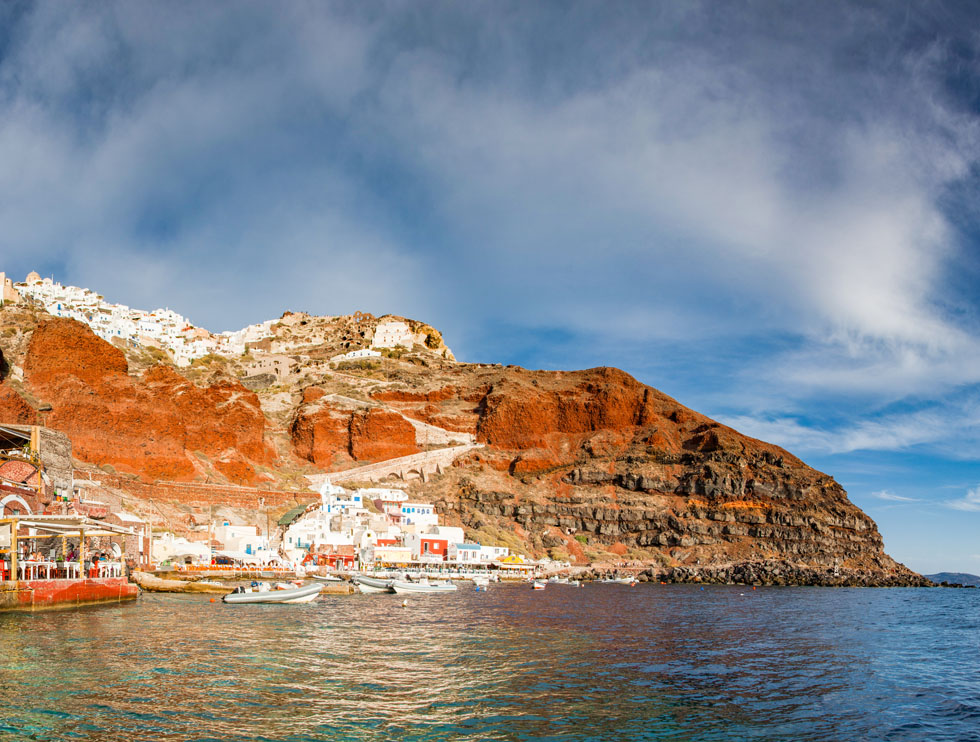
(150, 426)
(592, 462)
(335, 437)
(13, 407)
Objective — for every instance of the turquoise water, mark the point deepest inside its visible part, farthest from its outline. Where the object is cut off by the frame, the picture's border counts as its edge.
(602, 662)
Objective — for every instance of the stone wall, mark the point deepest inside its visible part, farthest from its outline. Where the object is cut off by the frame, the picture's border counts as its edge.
(55, 455)
(199, 493)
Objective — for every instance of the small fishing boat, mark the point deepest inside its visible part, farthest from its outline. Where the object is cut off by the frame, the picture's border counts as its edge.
(304, 594)
(326, 578)
(370, 585)
(422, 586)
(537, 585)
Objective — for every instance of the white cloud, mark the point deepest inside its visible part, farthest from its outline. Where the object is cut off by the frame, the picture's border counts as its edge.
(953, 426)
(970, 501)
(892, 497)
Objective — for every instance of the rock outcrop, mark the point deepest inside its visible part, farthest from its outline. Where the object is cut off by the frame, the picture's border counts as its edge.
(595, 461)
(331, 436)
(150, 426)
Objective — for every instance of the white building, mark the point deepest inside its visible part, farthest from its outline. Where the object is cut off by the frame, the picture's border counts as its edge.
(392, 333)
(421, 515)
(245, 539)
(355, 354)
(452, 534)
(168, 547)
(464, 553)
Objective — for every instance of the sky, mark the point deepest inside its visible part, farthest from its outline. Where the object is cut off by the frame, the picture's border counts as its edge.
(765, 209)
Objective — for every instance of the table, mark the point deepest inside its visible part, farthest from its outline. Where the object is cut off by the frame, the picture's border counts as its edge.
(110, 569)
(29, 569)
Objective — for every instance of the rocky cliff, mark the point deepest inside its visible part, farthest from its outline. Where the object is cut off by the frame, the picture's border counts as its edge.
(590, 466)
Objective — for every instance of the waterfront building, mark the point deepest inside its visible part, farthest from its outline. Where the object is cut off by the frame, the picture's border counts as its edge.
(168, 547)
(243, 539)
(463, 554)
(426, 548)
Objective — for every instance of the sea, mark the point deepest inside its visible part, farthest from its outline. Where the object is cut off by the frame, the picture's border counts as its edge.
(600, 662)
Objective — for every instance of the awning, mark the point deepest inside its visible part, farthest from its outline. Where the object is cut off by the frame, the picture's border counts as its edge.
(69, 525)
(10, 435)
(293, 514)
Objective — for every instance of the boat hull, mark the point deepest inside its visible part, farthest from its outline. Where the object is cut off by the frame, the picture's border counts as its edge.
(41, 595)
(372, 585)
(404, 588)
(305, 594)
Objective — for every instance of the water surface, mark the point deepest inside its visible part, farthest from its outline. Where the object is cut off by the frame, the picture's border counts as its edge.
(598, 663)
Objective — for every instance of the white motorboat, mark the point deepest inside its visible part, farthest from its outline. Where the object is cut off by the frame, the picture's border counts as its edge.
(304, 594)
(422, 586)
(538, 585)
(326, 578)
(621, 580)
(370, 585)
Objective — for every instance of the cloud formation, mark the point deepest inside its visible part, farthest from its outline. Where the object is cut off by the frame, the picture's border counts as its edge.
(892, 497)
(969, 502)
(664, 188)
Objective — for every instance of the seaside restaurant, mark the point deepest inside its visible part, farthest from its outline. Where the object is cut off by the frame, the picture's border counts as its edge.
(37, 547)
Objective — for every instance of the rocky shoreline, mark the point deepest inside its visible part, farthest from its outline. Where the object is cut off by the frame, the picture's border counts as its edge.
(774, 573)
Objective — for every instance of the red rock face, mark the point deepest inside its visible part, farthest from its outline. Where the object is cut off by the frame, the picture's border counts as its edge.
(320, 433)
(334, 438)
(14, 408)
(523, 416)
(63, 347)
(149, 426)
(377, 435)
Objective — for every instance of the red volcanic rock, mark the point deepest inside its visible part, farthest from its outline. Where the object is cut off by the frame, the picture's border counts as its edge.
(147, 426)
(437, 395)
(376, 435)
(312, 394)
(236, 468)
(321, 433)
(221, 416)
(519, 416)
(332, 437)
(434, 416)
(14, 408)
(64, 347)
(535, 461)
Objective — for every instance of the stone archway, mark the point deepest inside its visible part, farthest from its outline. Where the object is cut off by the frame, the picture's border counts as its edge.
(14, 498)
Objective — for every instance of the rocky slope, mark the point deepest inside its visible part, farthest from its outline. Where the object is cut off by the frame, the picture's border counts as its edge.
(590, 466)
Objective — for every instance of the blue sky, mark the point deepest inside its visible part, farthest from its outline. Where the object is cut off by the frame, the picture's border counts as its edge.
(766, 210)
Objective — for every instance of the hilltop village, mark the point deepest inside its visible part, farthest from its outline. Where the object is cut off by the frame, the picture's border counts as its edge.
(173, 333)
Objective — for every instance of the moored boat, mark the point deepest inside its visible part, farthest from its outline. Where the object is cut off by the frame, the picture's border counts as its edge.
(537, 585)
(371, 585)
(423, 586)
(304, 594)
